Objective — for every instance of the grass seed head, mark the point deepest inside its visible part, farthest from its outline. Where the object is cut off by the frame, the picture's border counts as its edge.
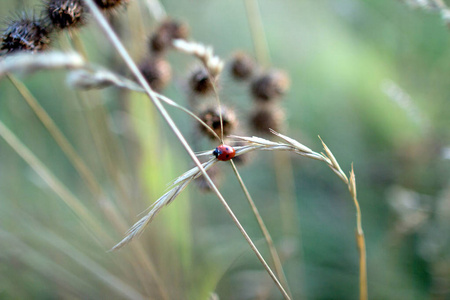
(270, 86)
(157, 72)
(25, 34)
(63, 14)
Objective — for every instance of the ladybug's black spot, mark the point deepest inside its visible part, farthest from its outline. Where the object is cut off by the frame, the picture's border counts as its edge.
(228, 155)
(228, 149)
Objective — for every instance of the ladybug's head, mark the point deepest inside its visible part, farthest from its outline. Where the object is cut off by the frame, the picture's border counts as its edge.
(217, 152)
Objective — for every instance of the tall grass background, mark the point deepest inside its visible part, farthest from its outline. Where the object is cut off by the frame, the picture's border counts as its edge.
(348, 61)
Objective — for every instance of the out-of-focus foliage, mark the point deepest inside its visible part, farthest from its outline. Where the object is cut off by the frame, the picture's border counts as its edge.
(370, 77)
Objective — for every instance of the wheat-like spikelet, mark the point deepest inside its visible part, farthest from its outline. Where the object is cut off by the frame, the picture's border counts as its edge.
(26, 62)
(211, 62)
(177, 186)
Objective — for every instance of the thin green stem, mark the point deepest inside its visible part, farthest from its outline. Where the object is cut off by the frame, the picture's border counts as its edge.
(102, 22)
(273, 251)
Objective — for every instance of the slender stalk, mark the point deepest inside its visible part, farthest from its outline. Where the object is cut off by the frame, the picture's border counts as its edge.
(76, 161)
(292, 145)
(102, 22)
(273, 251)
(60, 189)
(106, 277)
(258, 34)
(190, 113)
(58, 136)
(284, 174)
(360, 240)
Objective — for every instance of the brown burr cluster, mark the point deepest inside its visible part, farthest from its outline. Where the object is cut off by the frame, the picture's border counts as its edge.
(154, 66)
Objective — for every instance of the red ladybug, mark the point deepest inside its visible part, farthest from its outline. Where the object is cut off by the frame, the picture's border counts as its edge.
(224, 152)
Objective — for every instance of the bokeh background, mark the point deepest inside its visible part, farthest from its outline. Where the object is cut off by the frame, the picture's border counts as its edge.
(370, 77)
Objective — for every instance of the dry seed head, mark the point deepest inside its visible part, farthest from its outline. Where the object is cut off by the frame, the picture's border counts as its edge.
(25, 34)
(270, 86)
(264, 118)
(242, 66)
(62, 14)
(200, 82)
(205, 54)
(26, 62)
(211, 116)
(157, 72)
(169, 30)
(110, 4)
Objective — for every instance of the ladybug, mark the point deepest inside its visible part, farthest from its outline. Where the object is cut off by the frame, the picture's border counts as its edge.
(224, 152)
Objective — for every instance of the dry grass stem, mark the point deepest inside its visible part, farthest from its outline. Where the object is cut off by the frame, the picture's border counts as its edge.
(85, 173)
(58, 136)
(96, 78)
(273, 251)
(256, 25)
(257, 143)
(58, 187)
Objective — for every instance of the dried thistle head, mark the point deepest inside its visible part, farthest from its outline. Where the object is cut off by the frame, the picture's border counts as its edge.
(242, 66)
(110, 4)
(169, 30)
(157, 72)
(25, 34)
(270, 86)
(211, 116)
(63, 14)
(200, 82)
(267, 117)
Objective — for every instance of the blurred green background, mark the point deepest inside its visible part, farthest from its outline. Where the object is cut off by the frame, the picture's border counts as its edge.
(370, 77)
